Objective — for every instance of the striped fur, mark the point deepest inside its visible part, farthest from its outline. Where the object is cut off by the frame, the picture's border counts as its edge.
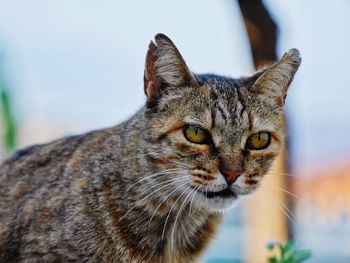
(139, 191)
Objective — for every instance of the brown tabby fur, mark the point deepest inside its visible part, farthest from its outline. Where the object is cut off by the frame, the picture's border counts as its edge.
(139, 191)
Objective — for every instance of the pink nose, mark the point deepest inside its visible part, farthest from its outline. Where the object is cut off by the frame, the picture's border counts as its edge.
(229, 171)
(230, 176)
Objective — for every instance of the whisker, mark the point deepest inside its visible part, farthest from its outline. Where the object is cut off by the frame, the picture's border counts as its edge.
(290, 212)
(206, 195)
(180, 163)
(152, 193)
(173, 180)
(182, 205)
(153, 175)
(162, 182)
(290, 216)
(167, 218)
(165, 200)
(273, 187)
(281, 172)
(280, 205)
(193, 195)
(201, 208)
(179, 212)
(286, 211)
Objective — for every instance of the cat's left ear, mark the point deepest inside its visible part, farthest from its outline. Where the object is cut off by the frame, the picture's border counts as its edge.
(275, 80)
(164, 68)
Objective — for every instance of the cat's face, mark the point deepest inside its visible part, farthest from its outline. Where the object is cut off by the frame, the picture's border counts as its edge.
(219, 134)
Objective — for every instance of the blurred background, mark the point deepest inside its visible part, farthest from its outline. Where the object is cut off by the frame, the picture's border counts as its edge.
(68, 67)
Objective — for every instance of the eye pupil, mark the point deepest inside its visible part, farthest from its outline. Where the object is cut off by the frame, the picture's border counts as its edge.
(258, 141)
(196, 134)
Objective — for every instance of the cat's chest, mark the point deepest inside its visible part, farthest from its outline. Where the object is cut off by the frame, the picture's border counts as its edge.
(188, 237)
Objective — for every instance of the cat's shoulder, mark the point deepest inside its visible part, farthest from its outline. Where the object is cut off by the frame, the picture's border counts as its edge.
(44, 151)
(59, 151)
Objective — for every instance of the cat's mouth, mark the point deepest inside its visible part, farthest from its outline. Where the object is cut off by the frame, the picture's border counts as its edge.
(225, 193)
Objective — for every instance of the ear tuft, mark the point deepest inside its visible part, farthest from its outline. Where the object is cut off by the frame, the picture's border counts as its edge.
(161, 38)
(293, 55)
(165, 67)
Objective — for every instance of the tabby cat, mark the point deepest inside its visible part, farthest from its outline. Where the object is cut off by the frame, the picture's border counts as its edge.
(153, 188)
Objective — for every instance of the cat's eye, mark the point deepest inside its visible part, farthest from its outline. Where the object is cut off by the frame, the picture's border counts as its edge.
(196, 134)
(258, 141)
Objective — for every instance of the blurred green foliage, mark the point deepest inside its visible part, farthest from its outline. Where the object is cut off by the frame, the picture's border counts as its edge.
(7, 119)
(7, 122)
(288, 253)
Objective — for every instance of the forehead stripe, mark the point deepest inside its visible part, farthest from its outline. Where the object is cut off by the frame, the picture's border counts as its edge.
(223, 114)
(242, 101)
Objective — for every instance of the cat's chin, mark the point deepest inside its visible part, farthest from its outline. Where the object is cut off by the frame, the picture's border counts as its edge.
(217, 201)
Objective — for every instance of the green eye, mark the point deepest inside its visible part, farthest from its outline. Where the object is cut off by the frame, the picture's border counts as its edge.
(195, 134)
(258, 141)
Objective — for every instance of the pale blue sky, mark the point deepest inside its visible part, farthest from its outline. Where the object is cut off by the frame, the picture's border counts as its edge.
(80, 63)
(319, 101)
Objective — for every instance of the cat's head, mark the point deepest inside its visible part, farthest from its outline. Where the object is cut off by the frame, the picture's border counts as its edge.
(214, 137)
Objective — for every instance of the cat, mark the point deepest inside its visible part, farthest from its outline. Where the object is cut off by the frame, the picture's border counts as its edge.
(153, 188)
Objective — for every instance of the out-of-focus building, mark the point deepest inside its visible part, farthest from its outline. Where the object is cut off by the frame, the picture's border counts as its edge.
(322, 209)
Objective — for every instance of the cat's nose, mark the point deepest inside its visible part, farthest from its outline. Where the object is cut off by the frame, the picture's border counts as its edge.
(229, 172)
(231, 176)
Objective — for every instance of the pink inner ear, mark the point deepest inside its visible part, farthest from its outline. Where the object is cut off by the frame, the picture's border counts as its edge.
(164, 67)
(149, 71)
(152, 82)
(149, 89)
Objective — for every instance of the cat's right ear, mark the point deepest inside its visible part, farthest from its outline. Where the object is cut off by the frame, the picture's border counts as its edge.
(274, 81)
(164, 68)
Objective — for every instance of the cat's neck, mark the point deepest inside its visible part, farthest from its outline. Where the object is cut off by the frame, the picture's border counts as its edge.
(179, 235)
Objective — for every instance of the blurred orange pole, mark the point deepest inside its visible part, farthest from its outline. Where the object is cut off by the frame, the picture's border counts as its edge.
(265, 218)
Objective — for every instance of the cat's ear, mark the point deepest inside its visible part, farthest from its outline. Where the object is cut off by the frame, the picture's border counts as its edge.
(275, 80)
(164, 68)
